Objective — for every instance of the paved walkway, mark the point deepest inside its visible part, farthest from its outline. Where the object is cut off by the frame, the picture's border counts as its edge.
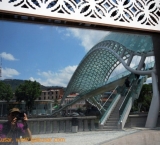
(143, 137)
(134, 136)
(80, 138)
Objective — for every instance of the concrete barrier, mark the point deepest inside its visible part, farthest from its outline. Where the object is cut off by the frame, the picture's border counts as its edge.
(60, 125)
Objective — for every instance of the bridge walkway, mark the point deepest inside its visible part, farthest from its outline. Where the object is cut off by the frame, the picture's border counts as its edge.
(133, 136)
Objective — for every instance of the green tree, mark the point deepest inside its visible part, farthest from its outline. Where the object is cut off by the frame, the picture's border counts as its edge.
(144, 99)
(5, 92)
(28, 91)
(79, 110)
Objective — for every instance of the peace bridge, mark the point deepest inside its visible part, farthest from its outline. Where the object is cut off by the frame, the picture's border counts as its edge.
(92, 78)
(93, 75)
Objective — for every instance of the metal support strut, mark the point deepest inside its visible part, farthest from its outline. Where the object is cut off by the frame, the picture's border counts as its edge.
(154, 107)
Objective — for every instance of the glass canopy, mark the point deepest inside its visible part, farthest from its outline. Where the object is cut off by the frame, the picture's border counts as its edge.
(99, 63)
(135, 42)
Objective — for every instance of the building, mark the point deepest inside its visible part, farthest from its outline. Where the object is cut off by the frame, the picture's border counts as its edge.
(51, 94)
(80, 104)
(43, 105)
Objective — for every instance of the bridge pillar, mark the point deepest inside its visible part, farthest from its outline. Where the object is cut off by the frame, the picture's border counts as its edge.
(154, 107)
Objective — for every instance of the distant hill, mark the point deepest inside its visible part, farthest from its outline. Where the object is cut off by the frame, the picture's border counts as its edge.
(14, 83)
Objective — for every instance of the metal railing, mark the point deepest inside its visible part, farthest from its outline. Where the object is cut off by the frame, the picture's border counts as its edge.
(108, 98)
(109, 110)
(127, 103)
(128, 94)
(121, 108)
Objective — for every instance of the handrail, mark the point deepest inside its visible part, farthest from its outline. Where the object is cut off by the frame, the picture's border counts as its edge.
(125, 98)
(98, 104)
(96, 101)
(91, 102)
(109, 109)
(128, 105)
(125, 113)
(108, 98)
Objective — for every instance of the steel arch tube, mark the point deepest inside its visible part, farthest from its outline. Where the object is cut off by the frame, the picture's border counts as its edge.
(129, 68)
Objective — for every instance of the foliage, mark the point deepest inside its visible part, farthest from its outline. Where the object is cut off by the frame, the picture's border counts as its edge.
(144, 100)
(5, 92)
(14, 83)
(79, 110)
(28, 91)
(56, 102)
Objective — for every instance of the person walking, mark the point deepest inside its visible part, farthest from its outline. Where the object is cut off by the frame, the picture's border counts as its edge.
(127, 82)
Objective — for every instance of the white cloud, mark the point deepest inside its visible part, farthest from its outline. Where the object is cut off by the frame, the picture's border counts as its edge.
(7, 56)
(9, 73)
(42, 27)
(60, 78)
(67, 34)
(135, 61)
(32, 79)
(88, 38)
(118, 70)
(149, 80)
(60, 30)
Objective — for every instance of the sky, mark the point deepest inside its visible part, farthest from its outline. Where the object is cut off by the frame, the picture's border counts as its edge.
(47, 54)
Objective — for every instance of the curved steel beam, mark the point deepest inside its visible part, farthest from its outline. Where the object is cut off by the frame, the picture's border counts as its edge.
(109, 42)
(129, 68)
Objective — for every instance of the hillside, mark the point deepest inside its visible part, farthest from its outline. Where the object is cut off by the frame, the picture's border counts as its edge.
(14, 83)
